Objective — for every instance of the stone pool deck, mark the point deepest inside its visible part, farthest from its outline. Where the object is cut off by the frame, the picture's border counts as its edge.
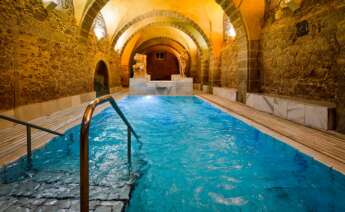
(327, 147)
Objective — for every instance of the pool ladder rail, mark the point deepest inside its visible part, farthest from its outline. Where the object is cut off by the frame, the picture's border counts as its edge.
(29, 126)
(84, 145)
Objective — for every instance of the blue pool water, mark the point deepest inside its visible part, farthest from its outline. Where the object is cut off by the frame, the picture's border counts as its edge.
(194, 157)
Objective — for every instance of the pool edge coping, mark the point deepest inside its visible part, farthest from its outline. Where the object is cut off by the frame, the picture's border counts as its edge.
(45, 138)
(313, 153)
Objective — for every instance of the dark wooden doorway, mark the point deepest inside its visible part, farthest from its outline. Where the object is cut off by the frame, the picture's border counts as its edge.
(161, 65)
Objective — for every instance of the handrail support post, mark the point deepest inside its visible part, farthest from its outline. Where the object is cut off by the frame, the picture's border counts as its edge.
(84, 146)
(28, 145)
(84, 173)
(129, 146)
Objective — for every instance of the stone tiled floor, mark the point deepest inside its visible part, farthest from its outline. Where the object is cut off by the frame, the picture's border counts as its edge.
(327, 147)
(59, 191)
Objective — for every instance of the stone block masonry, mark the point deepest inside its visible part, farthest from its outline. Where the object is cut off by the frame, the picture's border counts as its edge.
(42, 56)
(309, 66)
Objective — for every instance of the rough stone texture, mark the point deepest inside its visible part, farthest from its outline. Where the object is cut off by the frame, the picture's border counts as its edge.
(59, 190)
(238, 59)
(214, 70)
(303, 66)
(56, 187)
(229, 76)
(310, 66)
(340, 96)
(42, 56)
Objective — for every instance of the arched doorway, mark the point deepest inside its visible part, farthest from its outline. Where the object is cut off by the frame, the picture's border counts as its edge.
(161, 65)
(101, 80)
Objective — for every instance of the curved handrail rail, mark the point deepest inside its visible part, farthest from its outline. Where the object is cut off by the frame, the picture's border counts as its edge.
(11, 119)
(28, 134)
(84, 145)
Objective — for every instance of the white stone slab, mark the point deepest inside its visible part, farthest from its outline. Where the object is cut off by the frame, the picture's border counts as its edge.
(161, 84)
(312, 114)
(264, 103)
(32, 111)
(144, 87)
(280, 107)
(316, 116)
(226, 93)
(296, 112)
(260, 102)
(250, 100)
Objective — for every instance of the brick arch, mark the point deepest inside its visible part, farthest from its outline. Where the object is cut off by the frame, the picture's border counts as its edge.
(247, 54)
(164, 41)
(91, 11)
(162, 13)
(182, 28)
(205, 53)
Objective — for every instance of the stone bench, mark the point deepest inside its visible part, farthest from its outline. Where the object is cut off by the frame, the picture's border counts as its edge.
(316, 114)
(226, 93)
(31, 111)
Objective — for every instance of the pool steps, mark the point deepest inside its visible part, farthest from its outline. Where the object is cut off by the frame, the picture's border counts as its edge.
(84, 145)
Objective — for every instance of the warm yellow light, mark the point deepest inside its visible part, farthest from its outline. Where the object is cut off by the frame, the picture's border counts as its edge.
(120, 42)
(99, 32)
(232, 32)
(49, 1)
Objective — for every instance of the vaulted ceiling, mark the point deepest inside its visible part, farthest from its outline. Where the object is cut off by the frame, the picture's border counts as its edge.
(204, 18)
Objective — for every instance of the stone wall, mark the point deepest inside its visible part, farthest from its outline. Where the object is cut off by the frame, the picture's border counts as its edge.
(302, 66)
(340, 95)
(310, 66)
(42, 56)
(229, 67)
(238, 65)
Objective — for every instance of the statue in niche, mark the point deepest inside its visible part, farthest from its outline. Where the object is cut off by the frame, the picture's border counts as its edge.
(140, 66)
(183, 63)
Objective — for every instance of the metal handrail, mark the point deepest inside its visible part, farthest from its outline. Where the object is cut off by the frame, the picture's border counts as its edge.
(84, 145)
(28, 133)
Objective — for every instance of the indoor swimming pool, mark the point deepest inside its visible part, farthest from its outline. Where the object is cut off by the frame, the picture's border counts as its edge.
(193, 157)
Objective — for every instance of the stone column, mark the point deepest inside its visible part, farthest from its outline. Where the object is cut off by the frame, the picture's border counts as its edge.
(340, 95)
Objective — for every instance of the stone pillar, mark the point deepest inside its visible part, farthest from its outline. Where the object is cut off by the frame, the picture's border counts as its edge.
(340, 96)
(254, 82)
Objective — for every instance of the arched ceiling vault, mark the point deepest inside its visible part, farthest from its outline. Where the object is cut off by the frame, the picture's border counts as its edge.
(166, 48)
(197, 38)
(245, 15)
(206, 13)
(165, 44)
(162, 41)
(154, 32)
(161, 16)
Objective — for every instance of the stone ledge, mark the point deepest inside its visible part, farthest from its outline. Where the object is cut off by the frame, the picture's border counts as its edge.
(226, 93)
(183, 87)
(320, 115)
(32, 111)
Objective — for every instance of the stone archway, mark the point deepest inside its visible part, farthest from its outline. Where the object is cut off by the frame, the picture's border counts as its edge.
(204, 48)
(247, 68)
(101, 79)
